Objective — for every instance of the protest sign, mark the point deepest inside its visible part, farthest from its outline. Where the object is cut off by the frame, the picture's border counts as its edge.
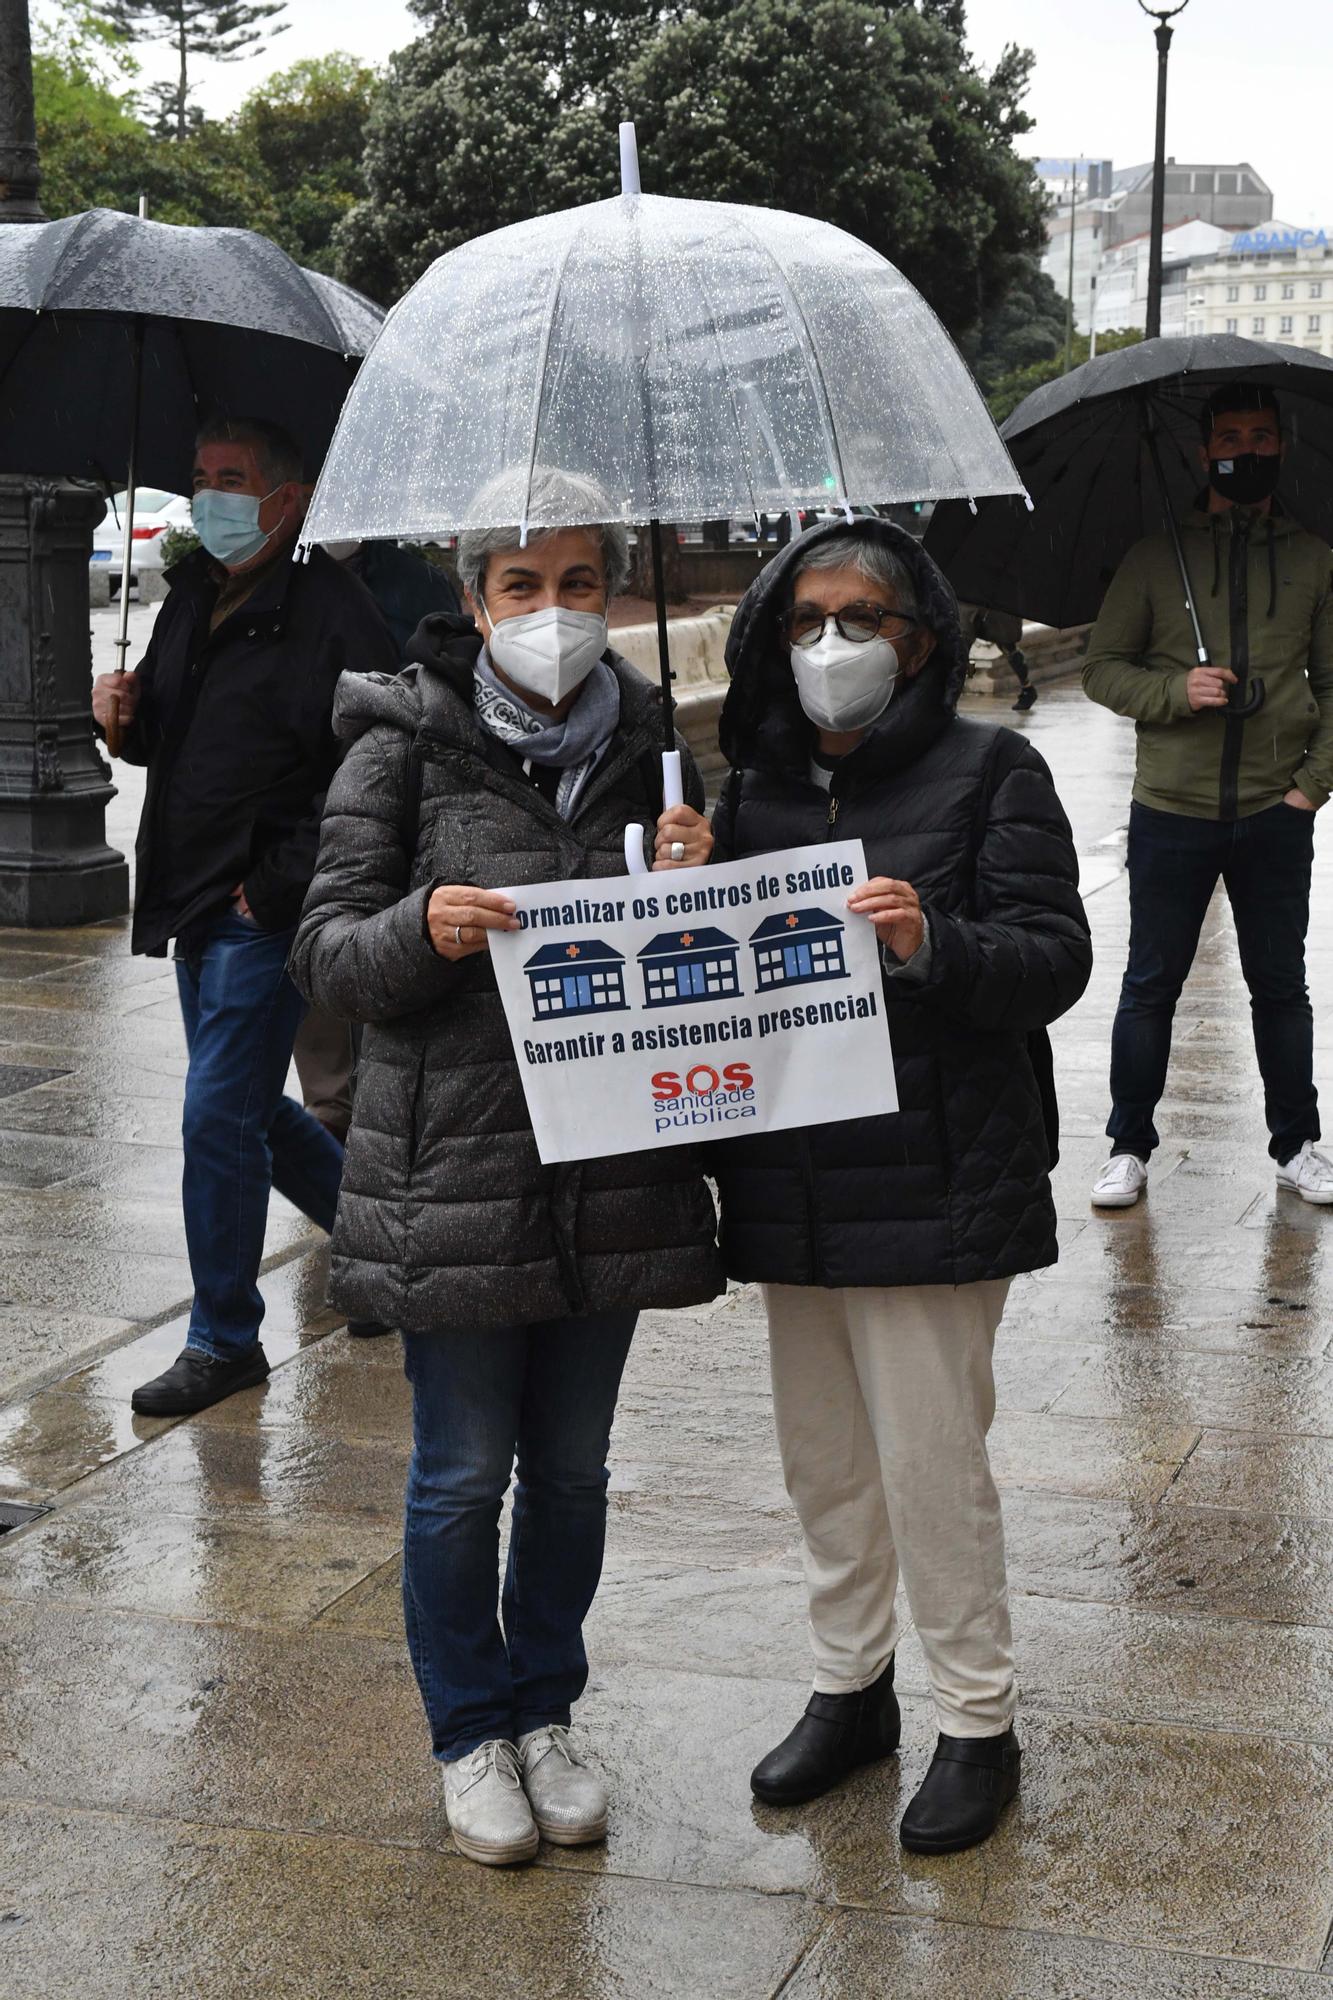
(697, 1003)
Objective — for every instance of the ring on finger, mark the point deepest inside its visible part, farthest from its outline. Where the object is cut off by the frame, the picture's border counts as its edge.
(458, 934)
(678, 850)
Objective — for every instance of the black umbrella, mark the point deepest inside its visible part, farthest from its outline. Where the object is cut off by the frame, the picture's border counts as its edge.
(118, 334)
(215, 319)
(1099, 448)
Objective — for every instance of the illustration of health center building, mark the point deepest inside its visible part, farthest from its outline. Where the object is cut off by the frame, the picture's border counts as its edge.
(689, 965)
(799, 946)
(587, 977)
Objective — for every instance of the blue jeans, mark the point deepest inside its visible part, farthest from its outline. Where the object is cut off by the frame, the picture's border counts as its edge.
(241, 1135)
(1175, 863)
(546, 1394)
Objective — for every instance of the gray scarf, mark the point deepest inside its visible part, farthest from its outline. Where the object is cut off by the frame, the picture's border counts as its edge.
(576, 745)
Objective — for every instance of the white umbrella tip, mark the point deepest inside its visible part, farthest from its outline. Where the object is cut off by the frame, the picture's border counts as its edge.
(629, 158)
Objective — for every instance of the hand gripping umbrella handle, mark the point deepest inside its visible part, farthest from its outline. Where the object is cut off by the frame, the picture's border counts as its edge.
(1252, 698)
(673, 794)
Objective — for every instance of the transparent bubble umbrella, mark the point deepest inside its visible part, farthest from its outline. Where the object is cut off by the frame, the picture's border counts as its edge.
(693, 359)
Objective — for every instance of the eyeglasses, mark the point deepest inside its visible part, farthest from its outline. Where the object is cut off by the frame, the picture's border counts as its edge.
(805, 624)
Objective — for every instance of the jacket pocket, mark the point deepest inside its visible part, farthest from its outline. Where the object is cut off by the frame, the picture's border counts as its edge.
(417, 1118)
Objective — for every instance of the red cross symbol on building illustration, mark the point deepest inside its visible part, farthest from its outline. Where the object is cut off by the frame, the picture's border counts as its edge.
(572, 951)
(792, 922)
(687, 938)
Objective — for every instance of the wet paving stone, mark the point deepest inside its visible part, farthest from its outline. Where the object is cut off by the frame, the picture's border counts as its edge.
(278, 1472)
(1227, 1391)
(1130, 1460)
(55, 1439)
(213, 1724)
(1207, 1319)
(224, 1914)
(323, 1394)
(232, 1570)
(858, 1955)
(1293, 1475)
(1107, 1840)
(1196, 1561)
(1132, 1665)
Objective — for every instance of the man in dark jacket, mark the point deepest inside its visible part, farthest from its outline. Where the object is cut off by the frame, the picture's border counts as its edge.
(1234, 759)
(231, 710)
(885, 1245)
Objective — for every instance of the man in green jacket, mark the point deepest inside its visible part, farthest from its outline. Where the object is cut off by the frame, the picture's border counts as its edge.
(1235, 758)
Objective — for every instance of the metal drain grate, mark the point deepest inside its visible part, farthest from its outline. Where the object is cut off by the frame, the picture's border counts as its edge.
(13, 1515)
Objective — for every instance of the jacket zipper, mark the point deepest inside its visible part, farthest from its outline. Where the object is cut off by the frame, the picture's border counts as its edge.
(807, 1158)
(1233, 733)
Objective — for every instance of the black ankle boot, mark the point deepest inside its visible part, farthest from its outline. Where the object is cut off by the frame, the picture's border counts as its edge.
(837, 1733)
(970, 1782)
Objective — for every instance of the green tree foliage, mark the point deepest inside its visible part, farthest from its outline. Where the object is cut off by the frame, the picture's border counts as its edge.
(305, 128)
(288, 163)
(83, 73)
(1025, 326)
(220, 30)
(869, 113)
(1008, 391)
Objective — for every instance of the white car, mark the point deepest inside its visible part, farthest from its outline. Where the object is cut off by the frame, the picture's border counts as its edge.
(154, 512)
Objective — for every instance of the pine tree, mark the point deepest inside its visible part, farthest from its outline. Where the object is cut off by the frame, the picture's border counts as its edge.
(222, 30)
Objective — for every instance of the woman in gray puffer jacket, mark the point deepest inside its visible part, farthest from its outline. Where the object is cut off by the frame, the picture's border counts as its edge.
(489, 764)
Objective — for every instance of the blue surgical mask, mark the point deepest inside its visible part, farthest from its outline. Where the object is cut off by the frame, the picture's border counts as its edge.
(228, 525)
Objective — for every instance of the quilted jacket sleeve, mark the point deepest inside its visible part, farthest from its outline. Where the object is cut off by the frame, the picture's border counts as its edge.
(724, 819)
(361, 951)
(1025, 956)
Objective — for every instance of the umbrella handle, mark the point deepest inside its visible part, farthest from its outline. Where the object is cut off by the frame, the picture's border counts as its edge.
(1255, 698)
(112, 731)
(673, 794)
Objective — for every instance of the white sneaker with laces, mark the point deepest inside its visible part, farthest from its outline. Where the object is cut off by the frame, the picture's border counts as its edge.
(1309, 1174)
(1120, 1182)
(489, 1815)
(568, 1800)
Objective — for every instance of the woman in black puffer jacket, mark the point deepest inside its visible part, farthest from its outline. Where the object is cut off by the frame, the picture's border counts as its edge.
(885, 1245)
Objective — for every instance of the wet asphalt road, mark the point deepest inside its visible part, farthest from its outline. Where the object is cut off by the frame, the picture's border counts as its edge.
(216, 1780)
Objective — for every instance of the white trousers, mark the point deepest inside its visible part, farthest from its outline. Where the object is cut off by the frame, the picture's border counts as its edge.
(883, 1397)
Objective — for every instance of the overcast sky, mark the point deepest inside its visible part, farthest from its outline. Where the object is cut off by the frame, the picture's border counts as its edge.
(1243, 85)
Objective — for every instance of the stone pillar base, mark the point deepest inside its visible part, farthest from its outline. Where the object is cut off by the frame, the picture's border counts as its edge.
(55, 865)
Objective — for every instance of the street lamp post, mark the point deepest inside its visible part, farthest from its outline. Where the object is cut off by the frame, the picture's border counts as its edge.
(55, 865)
(1069, 302)
(1162, 36)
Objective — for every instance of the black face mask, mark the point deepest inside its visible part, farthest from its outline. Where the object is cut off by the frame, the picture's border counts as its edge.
(1247, 478)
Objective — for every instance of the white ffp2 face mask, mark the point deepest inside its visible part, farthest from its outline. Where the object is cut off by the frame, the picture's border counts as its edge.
(845, 683)
(548, 652)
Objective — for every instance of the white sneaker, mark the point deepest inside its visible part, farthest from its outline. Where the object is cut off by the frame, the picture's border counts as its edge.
(568, 1800)
(1310, 1174)
(1120, 1182)
(489, 1815)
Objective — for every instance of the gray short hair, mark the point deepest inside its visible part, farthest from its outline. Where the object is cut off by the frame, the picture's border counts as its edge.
(574, 501)
(871, 560)
(276, 450)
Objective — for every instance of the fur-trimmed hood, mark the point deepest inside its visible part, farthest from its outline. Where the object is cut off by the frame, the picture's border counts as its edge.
(762, 720)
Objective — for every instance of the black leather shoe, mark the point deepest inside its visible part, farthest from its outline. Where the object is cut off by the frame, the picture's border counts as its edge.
(367, 1329)
(1027, 699)
(837, 1734)
(970, 1782)
(195, 1381)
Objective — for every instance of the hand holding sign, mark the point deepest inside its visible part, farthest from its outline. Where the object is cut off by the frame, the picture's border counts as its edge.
(460, 919)
(894, 908)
